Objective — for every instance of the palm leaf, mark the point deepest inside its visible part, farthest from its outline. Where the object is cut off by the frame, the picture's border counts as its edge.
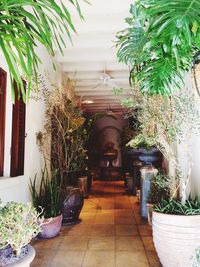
(22, 28)
(165, 49)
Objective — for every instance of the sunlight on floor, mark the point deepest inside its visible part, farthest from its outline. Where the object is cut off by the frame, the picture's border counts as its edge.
(111, 234)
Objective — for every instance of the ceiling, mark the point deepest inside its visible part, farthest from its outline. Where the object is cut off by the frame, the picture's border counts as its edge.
(92, 59)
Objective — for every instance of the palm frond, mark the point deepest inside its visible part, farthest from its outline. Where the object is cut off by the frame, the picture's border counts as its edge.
(160, 42)
(24, 24)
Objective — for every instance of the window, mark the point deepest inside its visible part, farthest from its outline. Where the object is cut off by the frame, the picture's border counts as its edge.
(18, 135)
(2, 117)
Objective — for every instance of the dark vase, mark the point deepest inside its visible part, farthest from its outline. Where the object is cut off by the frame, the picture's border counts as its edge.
(151, 156)
(72, 205)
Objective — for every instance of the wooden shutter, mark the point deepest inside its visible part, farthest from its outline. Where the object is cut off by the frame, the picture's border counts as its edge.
(2, 117)
(18, 135)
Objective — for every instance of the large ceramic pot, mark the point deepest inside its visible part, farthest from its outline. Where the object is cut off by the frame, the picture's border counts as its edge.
(151, 156)
(23, 261)
(51, 227)
(176, 237)
(72, 205)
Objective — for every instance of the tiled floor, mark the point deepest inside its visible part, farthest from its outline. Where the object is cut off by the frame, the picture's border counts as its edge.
(111, 234)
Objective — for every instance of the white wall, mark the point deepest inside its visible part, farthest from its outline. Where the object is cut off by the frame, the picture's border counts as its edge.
(16, 188)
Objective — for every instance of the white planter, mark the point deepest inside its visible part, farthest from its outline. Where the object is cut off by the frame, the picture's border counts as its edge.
(176, 238)
(26, 261)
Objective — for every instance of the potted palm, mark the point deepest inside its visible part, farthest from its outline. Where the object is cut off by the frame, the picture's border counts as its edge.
(18, 225)
(47, 200)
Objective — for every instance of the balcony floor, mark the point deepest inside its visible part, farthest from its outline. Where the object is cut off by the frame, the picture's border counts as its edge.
(111, 234)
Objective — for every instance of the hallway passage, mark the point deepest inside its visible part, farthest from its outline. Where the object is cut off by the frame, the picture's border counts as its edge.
(111, 234)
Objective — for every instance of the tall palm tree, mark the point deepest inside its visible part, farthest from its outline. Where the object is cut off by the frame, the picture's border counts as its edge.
(24, 24)
(160, 43)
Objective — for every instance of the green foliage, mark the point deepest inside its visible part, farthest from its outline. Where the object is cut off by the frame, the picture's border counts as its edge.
(47, 198)
(18, 225)
(160, 42)
(196, 258)
(160, 189)
(24, 24)
(63, 132)
(142, 140)
(176, 207)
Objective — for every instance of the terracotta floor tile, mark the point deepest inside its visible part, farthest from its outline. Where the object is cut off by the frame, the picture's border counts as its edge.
(103, 230)
(126, 230)
(124, 220)
(43, 257)
(74, 243)
(128, 243)
(99, 259)
(153, 259)
(148, 243)
(80, 230)
(64, 258)
(102, 243)
(131, 259)
(145, 230)
(52, 243)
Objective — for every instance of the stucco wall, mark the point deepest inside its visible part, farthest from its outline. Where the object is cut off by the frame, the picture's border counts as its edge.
(107, 132)
(16, 188)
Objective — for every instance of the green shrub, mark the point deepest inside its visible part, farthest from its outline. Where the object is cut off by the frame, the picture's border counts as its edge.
(18, 225)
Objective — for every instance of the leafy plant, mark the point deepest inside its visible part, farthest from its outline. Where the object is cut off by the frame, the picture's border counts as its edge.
(47, 198)
(175, 206)
(160, 42)
(160, 189)
(62, 141)
(142, 140)
(24, 24)
(18, 225)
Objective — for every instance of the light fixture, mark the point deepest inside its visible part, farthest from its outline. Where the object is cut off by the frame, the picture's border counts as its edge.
(87, 102)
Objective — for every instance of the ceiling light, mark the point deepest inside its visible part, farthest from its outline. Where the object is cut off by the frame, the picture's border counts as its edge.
(87, 102)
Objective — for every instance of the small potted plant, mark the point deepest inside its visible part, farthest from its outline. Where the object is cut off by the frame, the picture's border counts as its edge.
(18, 225)
(48, 198)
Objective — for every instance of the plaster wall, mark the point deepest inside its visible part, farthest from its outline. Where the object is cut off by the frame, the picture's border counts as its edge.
(109, 130)
(16, 188)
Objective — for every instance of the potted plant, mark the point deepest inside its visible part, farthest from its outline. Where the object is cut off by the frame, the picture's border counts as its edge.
(159, 43)
(143, 147)
(18, 225)
(62, 144)
(48, 198)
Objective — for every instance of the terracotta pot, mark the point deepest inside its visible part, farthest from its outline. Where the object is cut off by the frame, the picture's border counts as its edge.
(24, 261)
(51, 227)
(176, 237)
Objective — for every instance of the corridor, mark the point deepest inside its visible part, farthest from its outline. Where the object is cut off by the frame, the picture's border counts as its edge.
(111, 234)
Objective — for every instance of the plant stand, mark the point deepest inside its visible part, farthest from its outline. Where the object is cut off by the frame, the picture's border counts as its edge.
(147, 174)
